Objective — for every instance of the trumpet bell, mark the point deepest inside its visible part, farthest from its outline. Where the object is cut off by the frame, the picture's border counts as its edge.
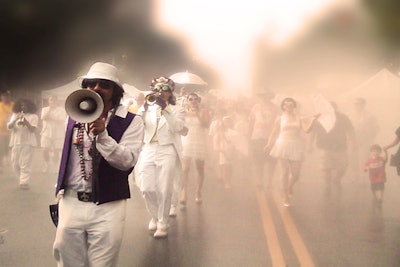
(84, 105)
(152, 98)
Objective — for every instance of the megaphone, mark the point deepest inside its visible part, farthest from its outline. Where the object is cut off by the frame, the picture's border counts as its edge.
(84, 105)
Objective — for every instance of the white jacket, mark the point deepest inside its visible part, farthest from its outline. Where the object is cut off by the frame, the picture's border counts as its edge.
(165, 124)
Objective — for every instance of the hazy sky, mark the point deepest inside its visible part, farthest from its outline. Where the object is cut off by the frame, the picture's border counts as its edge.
(222, 32)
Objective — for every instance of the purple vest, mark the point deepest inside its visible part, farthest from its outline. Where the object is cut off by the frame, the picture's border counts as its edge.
(111, 183)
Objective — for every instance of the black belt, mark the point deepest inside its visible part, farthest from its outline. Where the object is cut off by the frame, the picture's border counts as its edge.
(82, 196)
(85, 196)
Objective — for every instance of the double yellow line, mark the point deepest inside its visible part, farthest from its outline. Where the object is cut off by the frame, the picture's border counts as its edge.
(272, 239)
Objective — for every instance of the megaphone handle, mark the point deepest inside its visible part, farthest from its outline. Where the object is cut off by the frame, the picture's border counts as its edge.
(93, 152)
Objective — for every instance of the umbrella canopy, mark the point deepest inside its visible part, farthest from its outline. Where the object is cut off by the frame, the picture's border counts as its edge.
(130, 90)
(323, 107)
(187, 78)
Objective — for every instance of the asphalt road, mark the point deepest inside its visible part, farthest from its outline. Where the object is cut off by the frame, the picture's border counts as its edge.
(243, 226)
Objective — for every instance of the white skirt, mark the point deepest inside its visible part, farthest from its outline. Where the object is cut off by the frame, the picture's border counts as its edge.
(291, 149)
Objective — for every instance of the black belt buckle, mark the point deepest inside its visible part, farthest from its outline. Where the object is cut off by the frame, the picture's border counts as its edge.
(85, 197)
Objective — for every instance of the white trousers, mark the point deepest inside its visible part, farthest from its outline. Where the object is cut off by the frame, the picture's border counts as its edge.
(157, 174)
(89, 234)
(21, 159)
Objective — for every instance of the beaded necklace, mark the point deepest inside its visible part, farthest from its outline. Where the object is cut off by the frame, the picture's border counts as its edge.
(79, 145)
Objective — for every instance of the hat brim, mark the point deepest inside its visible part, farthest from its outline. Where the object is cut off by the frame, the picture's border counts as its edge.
(82, 78)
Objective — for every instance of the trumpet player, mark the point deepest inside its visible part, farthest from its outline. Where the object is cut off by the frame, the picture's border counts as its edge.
(23, 124)
(93, 186)
(161, 155)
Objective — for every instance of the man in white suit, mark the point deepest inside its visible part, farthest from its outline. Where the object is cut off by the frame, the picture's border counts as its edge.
(161, 153)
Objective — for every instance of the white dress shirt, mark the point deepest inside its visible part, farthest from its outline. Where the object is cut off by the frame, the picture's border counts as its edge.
(122, 155)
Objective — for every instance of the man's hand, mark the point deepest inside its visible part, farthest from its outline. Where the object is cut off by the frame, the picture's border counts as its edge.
(184, 131)
(98, 126)
(161, 102)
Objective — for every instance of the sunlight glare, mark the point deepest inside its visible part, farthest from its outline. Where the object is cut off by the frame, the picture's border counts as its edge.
(222, 33)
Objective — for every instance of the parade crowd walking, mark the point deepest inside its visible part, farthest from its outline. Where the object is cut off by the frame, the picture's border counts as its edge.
(158, 139)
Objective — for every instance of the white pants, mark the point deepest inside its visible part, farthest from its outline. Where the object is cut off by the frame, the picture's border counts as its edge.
(21, 159)
(157, 174)
(89, 234)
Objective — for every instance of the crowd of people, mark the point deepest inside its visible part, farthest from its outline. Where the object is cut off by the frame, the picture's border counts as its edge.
(160, 137)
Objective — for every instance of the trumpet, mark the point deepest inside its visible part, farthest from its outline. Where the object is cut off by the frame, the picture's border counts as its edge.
(152, 98)
(21, 119)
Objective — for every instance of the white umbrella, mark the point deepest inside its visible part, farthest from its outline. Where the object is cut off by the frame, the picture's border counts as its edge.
(323, 107)
(187, 78)
(130, 90)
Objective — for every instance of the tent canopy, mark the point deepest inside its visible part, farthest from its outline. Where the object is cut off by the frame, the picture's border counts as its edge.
(130, 90)
(64, 91)
(382, 94)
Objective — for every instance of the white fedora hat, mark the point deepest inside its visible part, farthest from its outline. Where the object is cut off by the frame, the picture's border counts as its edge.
(100, 70)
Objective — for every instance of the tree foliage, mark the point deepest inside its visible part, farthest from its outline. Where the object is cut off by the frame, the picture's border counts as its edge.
(47, 43)
(386, 21)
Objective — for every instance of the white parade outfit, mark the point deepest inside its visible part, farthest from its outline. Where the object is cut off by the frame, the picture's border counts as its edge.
(195, 142)
(289, 144)
(160, 159)
(22, 143)
(52, 134)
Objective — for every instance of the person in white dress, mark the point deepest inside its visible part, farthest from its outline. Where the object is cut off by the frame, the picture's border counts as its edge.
(194, 144)
(287, 145)
(23, 124)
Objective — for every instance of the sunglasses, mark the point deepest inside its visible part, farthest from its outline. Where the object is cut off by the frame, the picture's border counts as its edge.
(162, 87)
(193, 99)
(105, 84)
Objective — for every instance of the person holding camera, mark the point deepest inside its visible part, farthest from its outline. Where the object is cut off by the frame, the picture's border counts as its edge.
(23, 124)
(161, 155)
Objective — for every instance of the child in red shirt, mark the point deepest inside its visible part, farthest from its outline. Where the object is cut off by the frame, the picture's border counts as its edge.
(375, 165)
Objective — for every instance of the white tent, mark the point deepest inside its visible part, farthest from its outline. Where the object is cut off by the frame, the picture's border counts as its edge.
(130, 90)
(382, 95)
(62, 92)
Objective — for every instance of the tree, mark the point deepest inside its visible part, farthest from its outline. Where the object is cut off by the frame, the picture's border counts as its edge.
(386, 21)
(47, 43)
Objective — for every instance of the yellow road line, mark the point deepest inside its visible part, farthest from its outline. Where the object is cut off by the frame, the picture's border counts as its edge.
(299, 247)
(269, 231)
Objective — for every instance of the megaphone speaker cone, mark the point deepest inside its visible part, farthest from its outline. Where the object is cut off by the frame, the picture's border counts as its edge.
(84, 105)
(88, 105)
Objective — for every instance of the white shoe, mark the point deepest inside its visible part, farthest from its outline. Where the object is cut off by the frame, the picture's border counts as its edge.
(172, 211)
(286, 201)
(160, 233)
(153, 225)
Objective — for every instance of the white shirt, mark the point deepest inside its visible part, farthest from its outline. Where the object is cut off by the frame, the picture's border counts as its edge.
(21, 135)
(122, 155)
(51, 125)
